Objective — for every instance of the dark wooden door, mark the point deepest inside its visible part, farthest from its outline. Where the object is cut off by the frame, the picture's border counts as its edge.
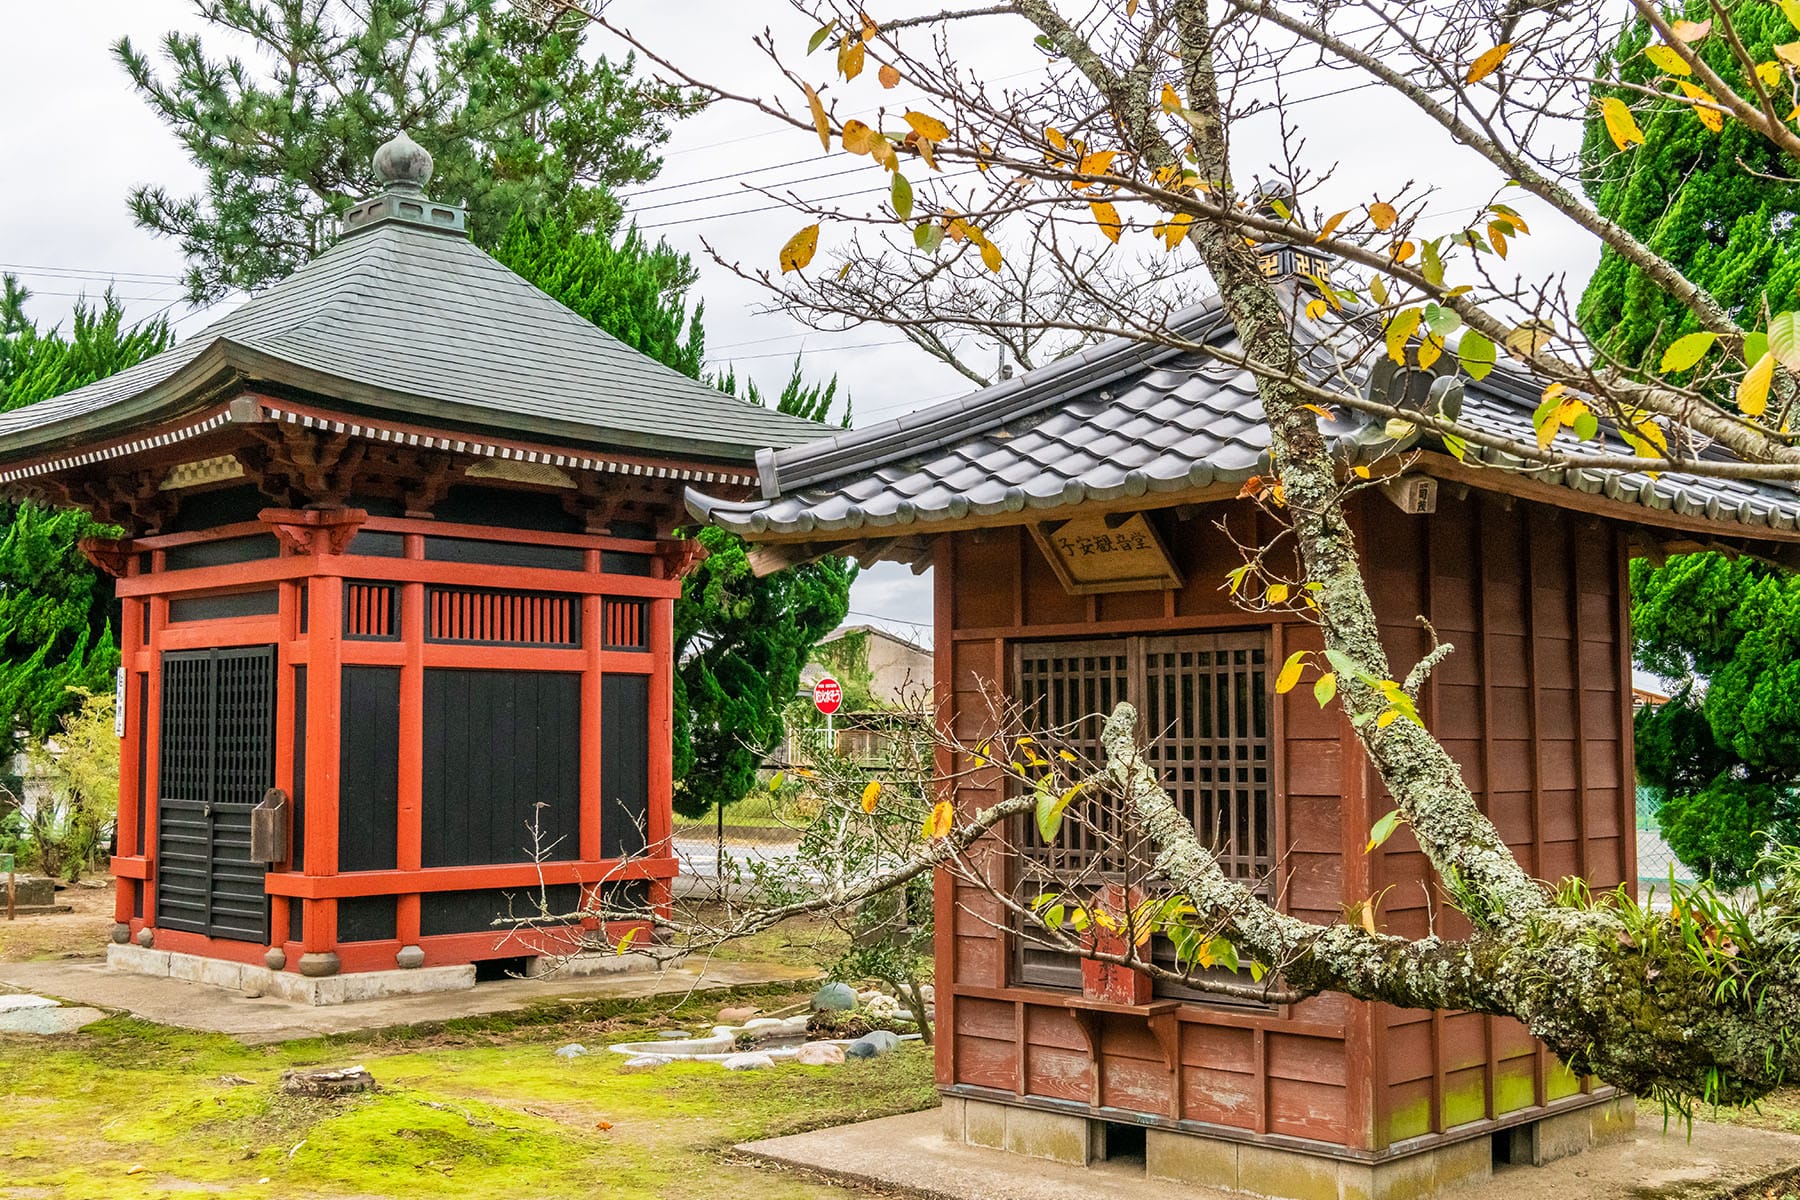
(217, 755)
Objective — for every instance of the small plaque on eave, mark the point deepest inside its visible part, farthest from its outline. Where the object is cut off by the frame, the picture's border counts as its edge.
(1115, 552)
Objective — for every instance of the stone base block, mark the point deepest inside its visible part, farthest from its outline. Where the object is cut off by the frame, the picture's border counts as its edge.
(246, 977)
(1034, 1133)
(1283, 1173)
(1292, 1175)
(1572, 1132)
(584, 966)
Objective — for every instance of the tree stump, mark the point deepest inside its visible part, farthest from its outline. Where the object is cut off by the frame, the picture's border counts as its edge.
(337, 1081)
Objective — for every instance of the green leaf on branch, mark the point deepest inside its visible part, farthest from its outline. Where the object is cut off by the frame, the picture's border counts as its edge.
(1051, 807)
(1477, 353)
(820, 36)
(1784, 339)
(1382, 830)
(928, 235)
(1684, 352)
(902, 196)
(1325, 687)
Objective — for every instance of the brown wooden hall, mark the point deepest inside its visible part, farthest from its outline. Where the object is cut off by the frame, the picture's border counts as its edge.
(397, 541)
(1072, 518)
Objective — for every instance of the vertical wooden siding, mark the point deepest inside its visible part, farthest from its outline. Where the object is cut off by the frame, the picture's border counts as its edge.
(1529, 704)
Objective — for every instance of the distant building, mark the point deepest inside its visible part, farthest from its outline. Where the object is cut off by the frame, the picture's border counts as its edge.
(887, 693)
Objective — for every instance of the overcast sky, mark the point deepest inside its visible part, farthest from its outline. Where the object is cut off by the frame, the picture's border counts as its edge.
(77, 139)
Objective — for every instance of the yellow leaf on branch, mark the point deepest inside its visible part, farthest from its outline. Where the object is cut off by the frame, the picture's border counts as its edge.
(1621, 126)
(858, 138)
(850, 58)
(1667, 59)
(1094, 164)
(800, 249)
(889, 75)
(1488, 62)
(1753, 389)
(1691, 31)
(820, 122)
(940, 821)
(928, 126)
(1107, 217)
(1170, 101)
(1383, 215)
(871, 795)
(990, 255)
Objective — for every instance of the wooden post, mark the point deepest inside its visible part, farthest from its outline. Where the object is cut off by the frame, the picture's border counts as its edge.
(12, 891)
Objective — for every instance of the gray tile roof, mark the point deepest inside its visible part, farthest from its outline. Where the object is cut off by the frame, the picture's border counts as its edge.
(409, 321)
(1124, 419)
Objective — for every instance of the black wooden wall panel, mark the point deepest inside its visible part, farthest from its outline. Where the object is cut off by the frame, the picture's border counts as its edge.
(298, 837)
(369, 769)
(366, 918)
(624, 764)
(477, 910)
(502, 750)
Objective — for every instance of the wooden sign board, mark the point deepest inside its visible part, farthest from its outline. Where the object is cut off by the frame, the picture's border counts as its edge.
(1116, 552)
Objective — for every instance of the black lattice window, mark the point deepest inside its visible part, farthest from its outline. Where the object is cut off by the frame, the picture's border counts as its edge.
(501, 618)
(1204, 705)
(216, 756)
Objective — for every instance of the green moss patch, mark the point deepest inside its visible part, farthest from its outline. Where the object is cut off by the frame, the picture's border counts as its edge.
(479, 1108)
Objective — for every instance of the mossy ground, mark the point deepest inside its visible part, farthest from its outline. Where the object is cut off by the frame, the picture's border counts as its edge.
(480, 1108)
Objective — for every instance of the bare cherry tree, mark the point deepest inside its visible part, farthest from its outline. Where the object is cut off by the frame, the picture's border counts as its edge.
(1127, 137)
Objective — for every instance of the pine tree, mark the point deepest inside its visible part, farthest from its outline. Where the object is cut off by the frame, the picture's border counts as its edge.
(1722, 757)
(1721, 206)
(55, 632)
(740, 640)
(516, 117)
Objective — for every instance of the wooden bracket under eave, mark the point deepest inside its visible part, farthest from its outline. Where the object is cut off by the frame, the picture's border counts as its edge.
(314, 530)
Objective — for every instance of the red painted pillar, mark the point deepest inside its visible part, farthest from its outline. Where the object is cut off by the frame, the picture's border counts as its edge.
(324, 640)
(662, 740)
(593, 642)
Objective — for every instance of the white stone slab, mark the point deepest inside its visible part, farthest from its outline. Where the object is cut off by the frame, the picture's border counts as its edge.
(14, 1003)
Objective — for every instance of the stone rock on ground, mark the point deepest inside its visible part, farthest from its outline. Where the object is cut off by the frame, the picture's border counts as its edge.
(756, 1023)
(748, 1062)
(48, 1022)
(860, 1049)
(737, 1016)
(883, 1040)
(673, 1035)
(820, 1054)
(18, 1001)
(834, 997)
(336, 1081)
(647, 1062)
(572, 1050)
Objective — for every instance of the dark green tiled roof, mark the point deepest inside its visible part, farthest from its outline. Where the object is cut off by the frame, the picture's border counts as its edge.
(422, 325)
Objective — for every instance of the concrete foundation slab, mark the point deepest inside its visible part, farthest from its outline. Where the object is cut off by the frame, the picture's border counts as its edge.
(269, 1017)
(261, 981)
(910, 1154)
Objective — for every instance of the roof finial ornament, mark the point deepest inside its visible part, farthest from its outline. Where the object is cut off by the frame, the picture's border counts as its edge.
(403, 164)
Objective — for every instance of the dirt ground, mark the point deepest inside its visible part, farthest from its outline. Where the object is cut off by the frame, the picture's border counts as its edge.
(79, 934)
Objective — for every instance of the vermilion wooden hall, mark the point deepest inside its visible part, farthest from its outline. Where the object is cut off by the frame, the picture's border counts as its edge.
(1072, 518)
(397, 541)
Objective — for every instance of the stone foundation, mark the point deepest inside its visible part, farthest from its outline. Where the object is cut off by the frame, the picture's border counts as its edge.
(245, 977)
(1289, 1174)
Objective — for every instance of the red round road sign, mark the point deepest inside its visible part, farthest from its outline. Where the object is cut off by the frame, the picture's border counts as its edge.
(828, 695)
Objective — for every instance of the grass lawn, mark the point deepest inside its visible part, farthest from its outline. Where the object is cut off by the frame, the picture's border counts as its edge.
(480, 1109)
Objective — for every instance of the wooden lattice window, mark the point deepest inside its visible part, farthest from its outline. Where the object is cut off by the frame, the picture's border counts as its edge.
(627, 625)
(371, 611)
(501, 618)
(1203, 700)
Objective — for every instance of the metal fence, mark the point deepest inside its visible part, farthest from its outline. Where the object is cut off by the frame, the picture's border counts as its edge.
(723, 845)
